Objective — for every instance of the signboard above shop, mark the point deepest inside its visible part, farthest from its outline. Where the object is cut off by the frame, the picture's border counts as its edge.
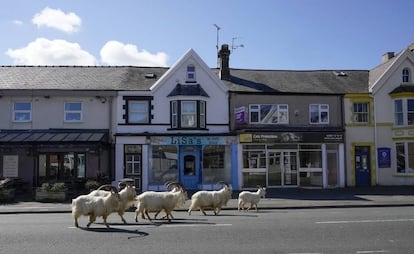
(292, 137)
(192, 140)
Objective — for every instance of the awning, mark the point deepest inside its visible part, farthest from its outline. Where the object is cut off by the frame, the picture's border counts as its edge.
(21, 136)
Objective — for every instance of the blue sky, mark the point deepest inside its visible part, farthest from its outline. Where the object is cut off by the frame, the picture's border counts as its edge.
(276, 34)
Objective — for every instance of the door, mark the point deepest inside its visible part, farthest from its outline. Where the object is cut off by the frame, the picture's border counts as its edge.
(362, 166)
(282, 168)
(190, 168)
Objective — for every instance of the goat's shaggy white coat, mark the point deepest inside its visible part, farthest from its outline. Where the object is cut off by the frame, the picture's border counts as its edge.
(153, 201)
(127, 198)
(250, 197)
(210, 199)
(94, 206)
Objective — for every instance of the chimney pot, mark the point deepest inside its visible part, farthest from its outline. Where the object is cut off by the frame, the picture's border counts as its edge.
(387, 56)
(224, 55)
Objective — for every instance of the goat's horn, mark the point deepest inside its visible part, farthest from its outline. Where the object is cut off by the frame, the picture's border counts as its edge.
(104, 186)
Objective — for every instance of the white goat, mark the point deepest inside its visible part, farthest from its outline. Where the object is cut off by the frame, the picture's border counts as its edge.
(127, 198)
(210, 199)
(150, 201)
(251, 197)
(95, 206)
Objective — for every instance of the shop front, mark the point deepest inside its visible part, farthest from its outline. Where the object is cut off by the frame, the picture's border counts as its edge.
(197, 162)
(292, 159)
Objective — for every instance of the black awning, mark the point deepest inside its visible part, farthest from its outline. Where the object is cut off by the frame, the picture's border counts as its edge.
(20, 136)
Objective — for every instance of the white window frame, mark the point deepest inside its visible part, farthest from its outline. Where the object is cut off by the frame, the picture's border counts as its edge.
(142, 113)
(321, 109)
(174, 114)
(188, 115)
(406, 114)
(361, 112)
(406, 158)
(278, 114)
(191, 73)
(22, 115)
(73, 111)
(406, 75)
(179, 117)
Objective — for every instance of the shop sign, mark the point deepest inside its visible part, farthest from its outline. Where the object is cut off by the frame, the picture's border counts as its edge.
(10, 165)
(240, 115)
(189, 140)
(291, 137)
(384, 157)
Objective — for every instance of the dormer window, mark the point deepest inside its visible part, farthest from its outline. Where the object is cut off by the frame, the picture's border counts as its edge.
(191, 75)
(405, 75)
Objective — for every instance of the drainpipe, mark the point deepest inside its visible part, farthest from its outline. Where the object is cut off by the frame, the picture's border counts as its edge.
(375, 138)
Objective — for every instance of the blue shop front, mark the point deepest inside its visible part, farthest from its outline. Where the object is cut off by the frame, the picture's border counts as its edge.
(197, 162)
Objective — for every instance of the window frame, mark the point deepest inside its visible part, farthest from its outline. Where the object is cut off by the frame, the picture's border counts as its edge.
(177, 114)
(145, 114)
(405, 75)
(360, 112)
(321, 109)
(72, 112)
(22, 112)
(135, 151)
(404, 158)
(280, 111)
(191, 73)
(403, 114)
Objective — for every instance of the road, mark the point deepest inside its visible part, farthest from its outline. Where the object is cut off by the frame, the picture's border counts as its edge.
(310, 231)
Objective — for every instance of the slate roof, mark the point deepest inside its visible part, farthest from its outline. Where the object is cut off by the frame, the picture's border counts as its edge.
(79, 77)
(142, 78)
(285, 81)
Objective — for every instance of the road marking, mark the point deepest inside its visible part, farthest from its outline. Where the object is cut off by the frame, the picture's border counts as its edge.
(362, 221)
(371, 251)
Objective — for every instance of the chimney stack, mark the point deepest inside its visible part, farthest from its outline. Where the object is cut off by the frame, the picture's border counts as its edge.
(387, 56)
(224, 55)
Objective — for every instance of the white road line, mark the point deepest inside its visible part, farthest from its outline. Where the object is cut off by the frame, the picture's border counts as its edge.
(371, 251)
(362, 221)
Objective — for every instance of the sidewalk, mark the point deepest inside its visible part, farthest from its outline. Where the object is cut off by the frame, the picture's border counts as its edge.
(276, 198)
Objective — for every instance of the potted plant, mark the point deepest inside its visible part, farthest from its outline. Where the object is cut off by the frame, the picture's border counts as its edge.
(51, 192)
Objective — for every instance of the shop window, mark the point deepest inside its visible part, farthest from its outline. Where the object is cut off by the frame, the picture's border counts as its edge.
(216, 164)
(310, 159)
(22, 111)
(188, 114)
(254, 159)
(360, 113)
(319, 113)
(61, 166)
(269, 114)
(405, 157)
(73, 111)
(133, 160)
(164, 164)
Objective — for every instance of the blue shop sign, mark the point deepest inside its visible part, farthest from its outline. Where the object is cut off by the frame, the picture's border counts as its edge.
(189, 140)
(384, 157)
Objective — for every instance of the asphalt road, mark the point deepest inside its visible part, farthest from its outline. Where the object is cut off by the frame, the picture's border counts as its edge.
(347, 230)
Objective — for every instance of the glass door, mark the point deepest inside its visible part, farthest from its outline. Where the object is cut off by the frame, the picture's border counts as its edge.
(274, 169)
(190, 168)
(282, 168)
(290, 169)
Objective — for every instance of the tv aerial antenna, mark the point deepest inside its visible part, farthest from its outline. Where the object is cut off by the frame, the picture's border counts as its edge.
(217, 43)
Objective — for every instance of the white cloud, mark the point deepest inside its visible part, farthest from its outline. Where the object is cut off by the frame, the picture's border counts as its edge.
(51, 52)
(18, 22)
(117, 53)
(55, 18)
